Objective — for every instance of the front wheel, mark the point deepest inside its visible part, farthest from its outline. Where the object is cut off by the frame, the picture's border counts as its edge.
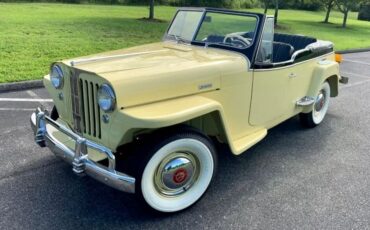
(178, 172)
(320, 108)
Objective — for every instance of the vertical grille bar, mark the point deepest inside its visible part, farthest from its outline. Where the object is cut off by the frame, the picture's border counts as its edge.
(92, 109)
(76, 113)
(86, 107)
(97, 112)
(82, 105)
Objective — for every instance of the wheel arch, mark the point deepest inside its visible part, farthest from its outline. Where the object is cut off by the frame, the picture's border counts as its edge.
(209, 124)
(334, 85)
(202, 114)
(329, 71)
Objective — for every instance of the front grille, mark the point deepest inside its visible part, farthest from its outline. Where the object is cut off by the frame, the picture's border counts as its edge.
(85, 108)
(90, 108)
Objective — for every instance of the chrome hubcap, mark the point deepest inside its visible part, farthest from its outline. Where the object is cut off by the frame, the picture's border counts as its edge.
(320, 102)
(176, 173)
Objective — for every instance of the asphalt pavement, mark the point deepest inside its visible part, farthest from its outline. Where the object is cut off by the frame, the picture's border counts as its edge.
(295, 178)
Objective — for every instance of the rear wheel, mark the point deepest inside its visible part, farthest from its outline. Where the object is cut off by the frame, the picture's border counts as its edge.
(177, 171)
(319, 108)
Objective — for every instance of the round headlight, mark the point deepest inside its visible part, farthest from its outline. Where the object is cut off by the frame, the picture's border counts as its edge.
(106, 98)
(56, 77)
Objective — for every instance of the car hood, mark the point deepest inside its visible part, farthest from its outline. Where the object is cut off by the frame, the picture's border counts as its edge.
(160, 71)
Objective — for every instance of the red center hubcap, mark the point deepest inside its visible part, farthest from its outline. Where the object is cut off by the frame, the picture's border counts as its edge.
(180, 176)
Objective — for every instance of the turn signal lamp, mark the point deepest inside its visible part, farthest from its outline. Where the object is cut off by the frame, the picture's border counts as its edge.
(338, 58)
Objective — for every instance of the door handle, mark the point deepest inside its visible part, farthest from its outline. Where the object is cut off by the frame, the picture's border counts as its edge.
(292, 75)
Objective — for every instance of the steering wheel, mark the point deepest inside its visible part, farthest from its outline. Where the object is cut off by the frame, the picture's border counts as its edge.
(237, 38)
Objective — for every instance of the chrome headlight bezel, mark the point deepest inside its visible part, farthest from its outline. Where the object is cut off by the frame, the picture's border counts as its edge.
(106, 98)
(57, 76)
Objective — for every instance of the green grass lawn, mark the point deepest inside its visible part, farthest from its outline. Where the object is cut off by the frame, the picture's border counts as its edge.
(34, 35)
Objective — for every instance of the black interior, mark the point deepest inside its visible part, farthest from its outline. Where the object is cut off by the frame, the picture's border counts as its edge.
(215, 38)
(282, 52)
(297, 41)
(286, 44)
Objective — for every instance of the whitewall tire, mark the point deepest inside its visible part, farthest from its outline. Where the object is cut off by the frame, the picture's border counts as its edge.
(178, 173)
(319, 108)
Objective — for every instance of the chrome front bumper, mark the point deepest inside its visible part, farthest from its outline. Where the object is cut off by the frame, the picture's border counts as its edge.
(78, 157)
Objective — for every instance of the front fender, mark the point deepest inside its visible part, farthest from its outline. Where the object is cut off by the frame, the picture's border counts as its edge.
(171, 112)
(159, 115)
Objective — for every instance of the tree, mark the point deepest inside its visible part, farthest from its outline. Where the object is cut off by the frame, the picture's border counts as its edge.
(328, 6)
(266, 4)
(345, 6)
(151, 10)
(195, 2)
(276, 12)
(364, 13)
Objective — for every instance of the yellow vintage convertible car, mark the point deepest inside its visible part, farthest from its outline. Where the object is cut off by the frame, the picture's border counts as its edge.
(143, 120)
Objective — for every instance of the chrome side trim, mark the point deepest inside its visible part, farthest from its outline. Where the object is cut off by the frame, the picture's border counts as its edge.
(295, 64)
(78, 156)
(313, 47)
(88, 60)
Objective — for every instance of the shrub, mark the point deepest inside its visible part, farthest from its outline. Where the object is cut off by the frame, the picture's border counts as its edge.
(364, 13)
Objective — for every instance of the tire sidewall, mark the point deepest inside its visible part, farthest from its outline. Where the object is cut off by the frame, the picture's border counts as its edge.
(318, 118)
(202, 148)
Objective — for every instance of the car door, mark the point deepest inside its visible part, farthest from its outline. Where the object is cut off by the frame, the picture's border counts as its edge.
(276, 90)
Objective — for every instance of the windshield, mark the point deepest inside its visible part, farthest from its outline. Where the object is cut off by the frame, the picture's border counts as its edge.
(185, 24)
(234, 30)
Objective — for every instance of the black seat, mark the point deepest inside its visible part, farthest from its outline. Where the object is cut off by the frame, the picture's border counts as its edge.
(215, 39)
(282, 52)
(248, 35)
(297, 41)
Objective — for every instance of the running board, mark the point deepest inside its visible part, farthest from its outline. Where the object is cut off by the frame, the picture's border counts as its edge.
(306, 101)
(239, 146)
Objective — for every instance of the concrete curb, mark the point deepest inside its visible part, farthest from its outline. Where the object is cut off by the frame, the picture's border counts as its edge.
(4, 87)
(352, 51)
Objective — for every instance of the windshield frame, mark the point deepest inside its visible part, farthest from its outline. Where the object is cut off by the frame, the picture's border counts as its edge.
(249, 52)
(204, 12)
(167, 36)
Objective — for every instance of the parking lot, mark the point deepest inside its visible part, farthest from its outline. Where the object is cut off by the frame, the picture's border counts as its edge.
(295, 178)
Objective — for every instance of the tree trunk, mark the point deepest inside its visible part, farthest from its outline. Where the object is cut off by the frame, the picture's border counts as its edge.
(266, 7)
(276, 12)
(328, 10)
(151, 9)
(345, 19)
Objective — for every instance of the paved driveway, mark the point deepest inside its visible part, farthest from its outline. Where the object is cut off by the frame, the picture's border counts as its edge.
(295, 178)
